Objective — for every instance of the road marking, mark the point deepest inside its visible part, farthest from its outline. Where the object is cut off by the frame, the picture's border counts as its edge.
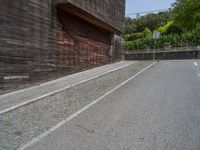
(53, 81)
(195, 63)
(43, 135)
(177, 60)
(57, 91)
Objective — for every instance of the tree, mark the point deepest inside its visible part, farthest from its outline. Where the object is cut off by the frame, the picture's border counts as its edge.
(151, 21)
(187, 13)
(130, 25)
(164, 28)
(173, 29)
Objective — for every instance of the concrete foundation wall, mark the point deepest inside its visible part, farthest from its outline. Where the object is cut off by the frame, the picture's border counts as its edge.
(163, 55)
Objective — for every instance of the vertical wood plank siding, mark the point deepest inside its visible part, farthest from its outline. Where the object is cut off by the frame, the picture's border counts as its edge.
(33, 39)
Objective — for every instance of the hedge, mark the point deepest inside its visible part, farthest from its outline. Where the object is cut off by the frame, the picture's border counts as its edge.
(133, 36)
(164, 41)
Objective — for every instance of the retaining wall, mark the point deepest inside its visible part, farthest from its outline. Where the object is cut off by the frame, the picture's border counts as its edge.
(163, 55)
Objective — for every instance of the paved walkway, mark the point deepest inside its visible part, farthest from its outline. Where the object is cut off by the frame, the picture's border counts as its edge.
(14, 99)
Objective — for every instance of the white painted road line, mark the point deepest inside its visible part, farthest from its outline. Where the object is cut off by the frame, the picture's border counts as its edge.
(57, 91)
(56, 80)
(195, 63)
(37, 139)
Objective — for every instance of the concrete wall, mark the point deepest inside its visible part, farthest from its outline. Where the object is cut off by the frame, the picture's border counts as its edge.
(164, 55)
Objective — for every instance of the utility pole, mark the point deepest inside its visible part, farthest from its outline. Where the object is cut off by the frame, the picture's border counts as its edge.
(137, 15)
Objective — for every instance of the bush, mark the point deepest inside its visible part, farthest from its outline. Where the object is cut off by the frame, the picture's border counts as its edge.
(133, 36)
(173, 29)
(147, 33)
(172, 40)
(163, 29)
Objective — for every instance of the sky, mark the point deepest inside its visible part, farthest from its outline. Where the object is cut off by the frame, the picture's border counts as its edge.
(135, 6)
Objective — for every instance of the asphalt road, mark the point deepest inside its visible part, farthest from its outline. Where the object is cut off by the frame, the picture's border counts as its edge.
(157, 110)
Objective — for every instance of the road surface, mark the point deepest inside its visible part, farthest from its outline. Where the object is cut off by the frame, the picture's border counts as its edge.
(157, 110)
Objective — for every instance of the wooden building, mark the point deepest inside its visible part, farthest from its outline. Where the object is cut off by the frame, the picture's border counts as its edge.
(44, 39)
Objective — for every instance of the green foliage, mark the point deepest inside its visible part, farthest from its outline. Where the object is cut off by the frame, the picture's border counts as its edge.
(147, 33)
(183, 29)
(173, 29)
(151, 21)
(173, 40)
(170, 28)
(139, 44)
(130, 25)
(187, 13)
(133, 36)
(164, 28)
(196, 31)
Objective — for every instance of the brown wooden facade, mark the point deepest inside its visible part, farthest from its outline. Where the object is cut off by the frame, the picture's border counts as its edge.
(44, 39)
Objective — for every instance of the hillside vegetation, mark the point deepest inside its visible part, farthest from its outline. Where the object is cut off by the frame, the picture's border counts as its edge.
(179, 27)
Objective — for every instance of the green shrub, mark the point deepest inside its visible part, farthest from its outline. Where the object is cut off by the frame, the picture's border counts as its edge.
(147, 33)
(172, 40)
(163, 29)
(173, 29)
(133, 36)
